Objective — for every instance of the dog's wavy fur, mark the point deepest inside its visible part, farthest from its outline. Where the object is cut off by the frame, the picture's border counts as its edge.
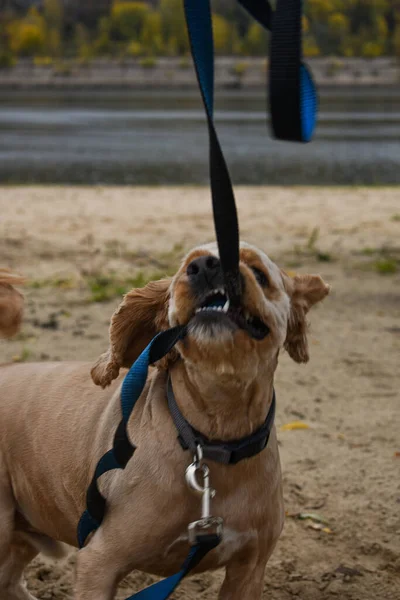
(55, 424)
(11, 303)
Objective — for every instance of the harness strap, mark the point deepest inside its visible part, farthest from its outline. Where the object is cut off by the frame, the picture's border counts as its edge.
(123, 449)
(226, 453)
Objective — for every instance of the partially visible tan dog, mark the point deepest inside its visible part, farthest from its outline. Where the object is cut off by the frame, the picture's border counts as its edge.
(11, 303)
(55, 424)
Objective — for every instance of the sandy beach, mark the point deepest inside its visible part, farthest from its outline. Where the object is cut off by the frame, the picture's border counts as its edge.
(81, 248)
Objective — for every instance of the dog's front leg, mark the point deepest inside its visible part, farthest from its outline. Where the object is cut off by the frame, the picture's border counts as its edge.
(244, 578)
(97, 574)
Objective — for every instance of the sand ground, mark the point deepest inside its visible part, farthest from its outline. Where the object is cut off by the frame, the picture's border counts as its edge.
(78, 245)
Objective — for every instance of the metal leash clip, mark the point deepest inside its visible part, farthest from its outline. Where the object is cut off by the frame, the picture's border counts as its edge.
(208, 524)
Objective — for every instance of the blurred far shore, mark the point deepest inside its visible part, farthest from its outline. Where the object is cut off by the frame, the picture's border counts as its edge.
(142, 44)
(177, 73)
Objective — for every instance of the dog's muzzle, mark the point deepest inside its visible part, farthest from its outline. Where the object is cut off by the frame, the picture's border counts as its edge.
(212, 303)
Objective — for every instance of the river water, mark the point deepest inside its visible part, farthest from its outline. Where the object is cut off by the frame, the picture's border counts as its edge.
(160, 137)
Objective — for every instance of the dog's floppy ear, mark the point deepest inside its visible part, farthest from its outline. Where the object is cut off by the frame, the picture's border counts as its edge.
(142, 314)
(11, 303)
(304, 292)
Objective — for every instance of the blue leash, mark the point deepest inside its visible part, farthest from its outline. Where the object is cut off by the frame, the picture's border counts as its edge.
(293, 105)
(123, 449)
(118, 457)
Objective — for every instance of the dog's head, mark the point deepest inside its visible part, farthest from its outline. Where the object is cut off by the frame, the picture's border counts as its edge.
(220, 338)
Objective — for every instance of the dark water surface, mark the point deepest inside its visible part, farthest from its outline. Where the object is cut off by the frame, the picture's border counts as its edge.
(159, 137)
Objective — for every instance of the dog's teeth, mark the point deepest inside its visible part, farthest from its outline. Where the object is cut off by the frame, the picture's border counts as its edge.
(226, 306)
(247, 315)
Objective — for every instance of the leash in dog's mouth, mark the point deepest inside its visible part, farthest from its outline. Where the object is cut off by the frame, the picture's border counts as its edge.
(214, 308)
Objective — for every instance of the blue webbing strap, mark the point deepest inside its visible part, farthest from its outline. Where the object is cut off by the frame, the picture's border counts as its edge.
(164, 588)
(119, 455)
(122, 450)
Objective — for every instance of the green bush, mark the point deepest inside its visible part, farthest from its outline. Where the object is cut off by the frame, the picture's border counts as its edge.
(7, 60)
(102, 43)
(151, 38)
(149, 62)
(42, 61)
(368, 28)
(239, 69)
(62, 69)
(27, 39)
(256, 43)
(173, 27)
(128, 18)
(372, 49)
(135, 49)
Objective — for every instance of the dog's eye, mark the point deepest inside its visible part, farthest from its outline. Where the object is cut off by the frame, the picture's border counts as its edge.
(260, 276)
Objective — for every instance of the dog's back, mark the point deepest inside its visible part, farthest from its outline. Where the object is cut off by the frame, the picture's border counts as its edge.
(11, 303)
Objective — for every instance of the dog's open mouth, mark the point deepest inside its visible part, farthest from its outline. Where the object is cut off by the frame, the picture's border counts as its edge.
(214, 307)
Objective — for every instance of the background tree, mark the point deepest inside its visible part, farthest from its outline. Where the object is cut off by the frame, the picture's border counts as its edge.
(256, 40)
(367, 28)
(226, 39)
(53, 13)
(27, 36)
(128, 18)
(151, 38)
(173, 24)
(103, 44)
(83, 46)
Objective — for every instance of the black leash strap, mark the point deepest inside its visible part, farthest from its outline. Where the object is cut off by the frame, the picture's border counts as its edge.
(292, 92)
(293, 98)
(293, 105)
(198, 19)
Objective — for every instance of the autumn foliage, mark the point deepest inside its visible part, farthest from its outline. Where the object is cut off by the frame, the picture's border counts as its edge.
(368, 28)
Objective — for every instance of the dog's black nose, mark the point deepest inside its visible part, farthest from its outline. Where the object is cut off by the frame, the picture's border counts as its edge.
(204, 268)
